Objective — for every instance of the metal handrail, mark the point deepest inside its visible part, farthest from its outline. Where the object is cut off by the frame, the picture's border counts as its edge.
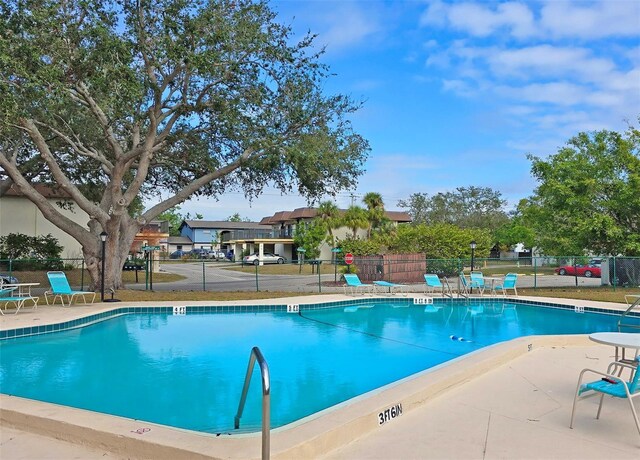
(626, 312)
(256, 355)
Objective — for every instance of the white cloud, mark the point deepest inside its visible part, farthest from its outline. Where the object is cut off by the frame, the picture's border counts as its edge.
(556, 19)
(591, 20)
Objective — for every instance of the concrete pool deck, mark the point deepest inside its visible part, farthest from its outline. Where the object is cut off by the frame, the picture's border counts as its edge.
(502, 402)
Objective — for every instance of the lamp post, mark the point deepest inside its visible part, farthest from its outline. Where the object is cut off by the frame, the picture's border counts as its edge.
(103, 238)
(335, 252)
(473, 250)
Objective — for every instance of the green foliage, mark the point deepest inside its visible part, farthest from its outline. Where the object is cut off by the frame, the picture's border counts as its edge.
(203, 83)
(444, 267)
(31, 252)
(513, 232)
(359, 247)
(309, 237)
(466, 207)
(588, 200)
(375, 212)
(237, 218)
(328, 215)
(355, 218)
(441, 241)
(174, 218)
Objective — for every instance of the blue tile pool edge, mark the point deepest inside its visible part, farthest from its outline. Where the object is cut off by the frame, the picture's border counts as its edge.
(9, 334)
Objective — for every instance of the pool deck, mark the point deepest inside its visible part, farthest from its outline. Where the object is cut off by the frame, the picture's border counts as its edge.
(511, 401)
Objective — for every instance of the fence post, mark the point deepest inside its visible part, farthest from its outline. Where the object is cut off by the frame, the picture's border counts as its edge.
(615, 272)
(257, 286)
(204, 278)
(535, 273)
(319, 278)
(82, 276)
(150, 270)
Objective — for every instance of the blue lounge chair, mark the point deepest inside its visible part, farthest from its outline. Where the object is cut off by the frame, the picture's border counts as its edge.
(463, 290)
(477, 282)
(392, 287)
(509, 282)
(433, 284)
(60, 288)
(355, 285)
(610, 384)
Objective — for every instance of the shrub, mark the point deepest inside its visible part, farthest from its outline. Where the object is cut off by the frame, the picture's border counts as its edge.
(31, 252)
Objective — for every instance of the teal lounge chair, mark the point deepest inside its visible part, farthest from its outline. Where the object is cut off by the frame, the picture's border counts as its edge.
(392, 287)
(612, 385)
(355, 285)
(60, 288)
(477, 282)
(7, 296)
(433, 284)
(509, 282)
(463, 291)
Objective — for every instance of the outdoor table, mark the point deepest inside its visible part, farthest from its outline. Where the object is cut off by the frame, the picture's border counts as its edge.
(618, 340)
(23, 290)
(493, 280)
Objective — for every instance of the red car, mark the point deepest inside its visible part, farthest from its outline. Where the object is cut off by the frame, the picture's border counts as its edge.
(580, 270)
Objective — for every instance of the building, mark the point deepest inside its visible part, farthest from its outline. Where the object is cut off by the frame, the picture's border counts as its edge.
(18, 214)
(214, 234)
(279, 240)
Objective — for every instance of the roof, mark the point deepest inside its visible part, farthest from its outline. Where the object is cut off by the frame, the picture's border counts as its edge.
(223, 225)
(179, 240)
(47, 191)
(398, 216)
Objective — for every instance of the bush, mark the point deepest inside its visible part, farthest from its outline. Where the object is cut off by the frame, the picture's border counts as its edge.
(444, 267)
(31, 252)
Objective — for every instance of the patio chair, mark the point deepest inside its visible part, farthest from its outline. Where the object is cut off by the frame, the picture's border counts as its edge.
(393, 287)
(7, 296)
(355, 285)
(433, 284)
(60, 288)
(477, 282)
(463, 291)
(612, 385)
(509, 282)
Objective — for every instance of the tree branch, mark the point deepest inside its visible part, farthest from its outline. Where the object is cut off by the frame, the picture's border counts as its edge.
(101, 117)
(62, 180)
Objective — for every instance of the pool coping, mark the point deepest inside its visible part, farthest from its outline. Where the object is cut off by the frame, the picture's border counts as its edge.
(308, 438)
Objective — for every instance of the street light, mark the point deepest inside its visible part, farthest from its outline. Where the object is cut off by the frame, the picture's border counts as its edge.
(473, 250)
(103, 238)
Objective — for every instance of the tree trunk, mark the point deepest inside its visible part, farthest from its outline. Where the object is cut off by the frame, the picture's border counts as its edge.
(120, 235)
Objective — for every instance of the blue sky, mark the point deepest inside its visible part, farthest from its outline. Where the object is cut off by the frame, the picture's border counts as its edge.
(458, 93)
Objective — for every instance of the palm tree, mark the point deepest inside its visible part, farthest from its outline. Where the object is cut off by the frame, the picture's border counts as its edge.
(329, 215)
(375, 211)
(354, 218)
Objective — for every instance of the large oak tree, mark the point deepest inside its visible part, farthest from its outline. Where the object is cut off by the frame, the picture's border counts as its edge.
(588, 200)
(118, 101)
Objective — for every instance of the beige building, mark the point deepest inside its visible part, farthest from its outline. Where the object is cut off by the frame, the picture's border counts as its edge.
(19, 215)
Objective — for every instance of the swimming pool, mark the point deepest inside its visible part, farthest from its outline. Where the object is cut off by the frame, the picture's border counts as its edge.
(187, 370)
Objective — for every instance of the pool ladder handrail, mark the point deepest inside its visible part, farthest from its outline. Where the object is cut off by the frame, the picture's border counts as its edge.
(626, 313)
(256, 355)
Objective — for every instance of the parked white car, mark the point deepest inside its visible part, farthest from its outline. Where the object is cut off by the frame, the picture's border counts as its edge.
(218, 255)
(267, 258)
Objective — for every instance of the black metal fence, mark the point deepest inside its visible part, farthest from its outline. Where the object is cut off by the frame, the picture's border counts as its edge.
(326, 275)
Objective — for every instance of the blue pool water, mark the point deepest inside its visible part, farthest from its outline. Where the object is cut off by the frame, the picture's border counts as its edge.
(187, 370)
